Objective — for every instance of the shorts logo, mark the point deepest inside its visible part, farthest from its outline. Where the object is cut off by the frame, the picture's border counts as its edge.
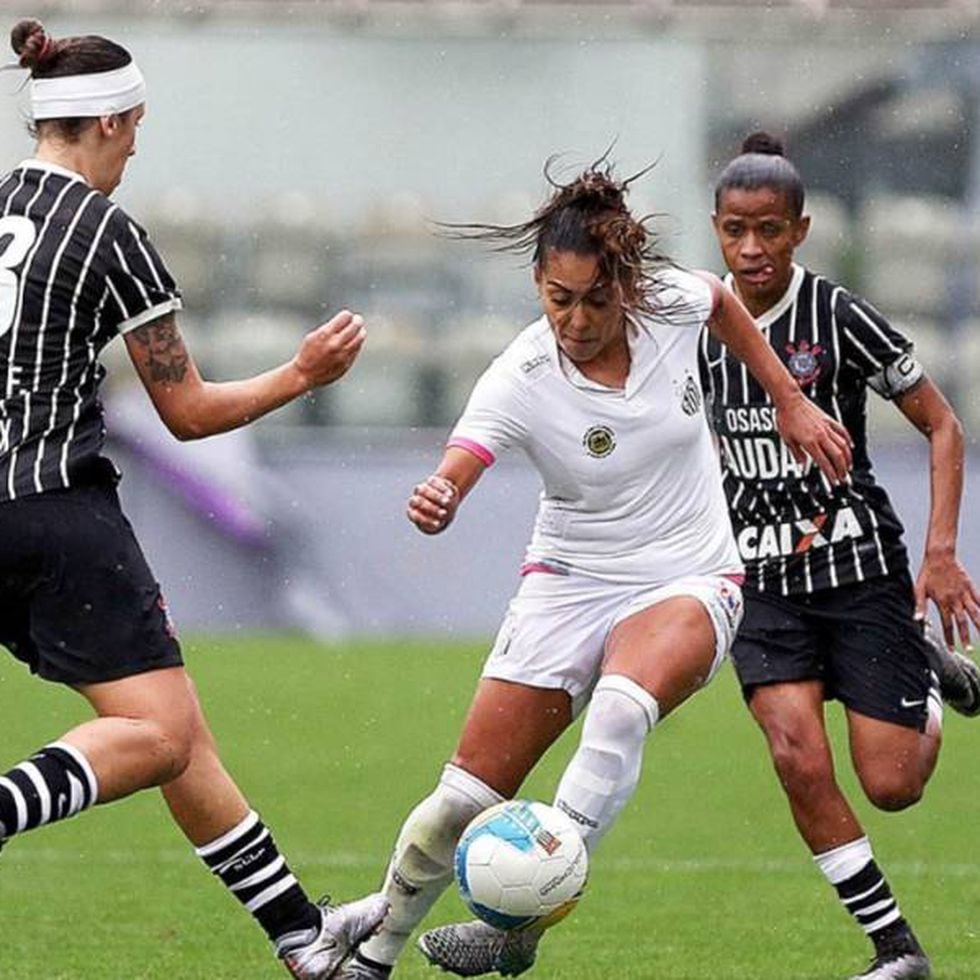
(804, 362)
(168, 623)
(689, 392)
(599, 441)
(730, 602)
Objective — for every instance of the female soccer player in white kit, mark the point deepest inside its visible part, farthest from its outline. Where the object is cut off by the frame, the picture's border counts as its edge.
(630, 592)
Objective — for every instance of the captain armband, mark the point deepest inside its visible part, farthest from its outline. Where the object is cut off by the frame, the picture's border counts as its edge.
(898, 377)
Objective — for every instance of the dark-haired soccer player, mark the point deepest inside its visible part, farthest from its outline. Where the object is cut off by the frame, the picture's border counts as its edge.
(630, 595)
(830, 608)
(77, 600)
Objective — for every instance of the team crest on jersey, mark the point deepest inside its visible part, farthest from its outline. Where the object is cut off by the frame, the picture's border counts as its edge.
(689, 392)
(804, 362)
(599, 441)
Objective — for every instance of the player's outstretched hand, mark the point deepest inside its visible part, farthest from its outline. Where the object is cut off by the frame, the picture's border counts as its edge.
(433, 504)
(328, 351)
(948, 584)
(810, 432)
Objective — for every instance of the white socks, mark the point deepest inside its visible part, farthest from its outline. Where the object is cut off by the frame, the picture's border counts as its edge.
(604, 771)
(595, 787)
(422, 865)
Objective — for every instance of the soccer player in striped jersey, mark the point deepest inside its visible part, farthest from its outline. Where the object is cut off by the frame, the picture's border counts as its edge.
(629, 596)
(78, 602)
(831, 611)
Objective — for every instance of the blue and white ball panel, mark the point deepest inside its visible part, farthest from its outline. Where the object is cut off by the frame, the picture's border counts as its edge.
(519, 861)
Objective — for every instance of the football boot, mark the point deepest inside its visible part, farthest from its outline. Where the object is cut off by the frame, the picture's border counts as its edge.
(315, 954)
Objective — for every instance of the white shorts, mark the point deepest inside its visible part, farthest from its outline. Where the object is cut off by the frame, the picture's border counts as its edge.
(555, 630)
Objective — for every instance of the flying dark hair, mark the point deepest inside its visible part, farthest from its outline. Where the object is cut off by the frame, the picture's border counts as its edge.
(762, 163)
(587, 216)
(46, 57)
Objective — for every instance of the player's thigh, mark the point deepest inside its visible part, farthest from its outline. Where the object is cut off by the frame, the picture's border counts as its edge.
(776, 645)
(165, 697)
(96, 611)
(878, 667)
(888, 759)
(672, 640)
(508, 728)
(554, 633)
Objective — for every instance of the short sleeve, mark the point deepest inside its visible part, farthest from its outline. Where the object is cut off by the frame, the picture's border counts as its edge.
(495, 418)
(140, 288)
(682, 299)
(882, 355)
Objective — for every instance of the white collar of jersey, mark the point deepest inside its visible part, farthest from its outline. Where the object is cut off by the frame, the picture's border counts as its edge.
(55, 168)
(103, 93)
(640, 363)
(783, 304)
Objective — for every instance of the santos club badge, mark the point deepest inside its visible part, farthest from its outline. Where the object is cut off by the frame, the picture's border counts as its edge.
(599, 441)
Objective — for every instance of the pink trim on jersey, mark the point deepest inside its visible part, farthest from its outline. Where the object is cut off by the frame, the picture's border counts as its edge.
(480, 452)
(540, 566)
(737, 577)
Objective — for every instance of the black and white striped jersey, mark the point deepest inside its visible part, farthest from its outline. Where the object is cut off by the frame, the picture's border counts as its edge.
(75, 271)
(796, 533)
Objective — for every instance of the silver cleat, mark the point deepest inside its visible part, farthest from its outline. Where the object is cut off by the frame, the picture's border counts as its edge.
(356, 969)
(903, 966)
(315, 954)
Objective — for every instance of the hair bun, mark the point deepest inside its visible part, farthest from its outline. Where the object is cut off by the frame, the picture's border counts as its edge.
(762, 143)
(31, 43)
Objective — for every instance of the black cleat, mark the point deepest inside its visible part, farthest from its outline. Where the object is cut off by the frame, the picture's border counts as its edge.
(959, 676)
(472, 949)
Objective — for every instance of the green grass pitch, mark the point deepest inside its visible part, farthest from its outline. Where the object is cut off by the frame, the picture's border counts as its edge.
(702, 877)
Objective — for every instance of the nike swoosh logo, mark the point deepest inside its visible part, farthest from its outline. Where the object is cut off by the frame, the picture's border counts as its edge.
(911, 704)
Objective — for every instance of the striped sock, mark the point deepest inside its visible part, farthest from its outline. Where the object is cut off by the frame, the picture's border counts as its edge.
(249, 864)
(863, 889)
(53, 784)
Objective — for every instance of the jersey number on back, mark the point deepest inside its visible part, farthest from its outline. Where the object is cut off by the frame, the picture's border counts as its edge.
(17, 235)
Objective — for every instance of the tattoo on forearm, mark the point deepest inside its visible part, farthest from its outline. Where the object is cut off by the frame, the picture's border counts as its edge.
(166, 356)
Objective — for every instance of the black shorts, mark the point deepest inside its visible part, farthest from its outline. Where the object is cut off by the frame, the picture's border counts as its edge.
(860, 640)
(78, 602)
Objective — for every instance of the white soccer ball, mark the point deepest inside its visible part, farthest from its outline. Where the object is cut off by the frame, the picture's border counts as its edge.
(520, 862)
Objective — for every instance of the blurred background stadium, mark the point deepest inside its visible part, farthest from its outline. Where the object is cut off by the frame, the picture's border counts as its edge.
(296, 154)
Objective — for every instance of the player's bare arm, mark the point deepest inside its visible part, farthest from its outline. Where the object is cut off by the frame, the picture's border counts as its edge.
(193, 408)
(434, 502)
(162, 350)
(942, 578)
(805, 428)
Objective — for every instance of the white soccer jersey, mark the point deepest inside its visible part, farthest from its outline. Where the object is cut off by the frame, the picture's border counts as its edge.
(632, 488)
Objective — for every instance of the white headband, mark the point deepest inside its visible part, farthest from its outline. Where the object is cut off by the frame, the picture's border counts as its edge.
(102, 93)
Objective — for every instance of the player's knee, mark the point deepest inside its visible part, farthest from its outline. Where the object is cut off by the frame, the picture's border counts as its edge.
(621, 714)
(803, 768)
(174, 745)
(158, 750)
(892, 791)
